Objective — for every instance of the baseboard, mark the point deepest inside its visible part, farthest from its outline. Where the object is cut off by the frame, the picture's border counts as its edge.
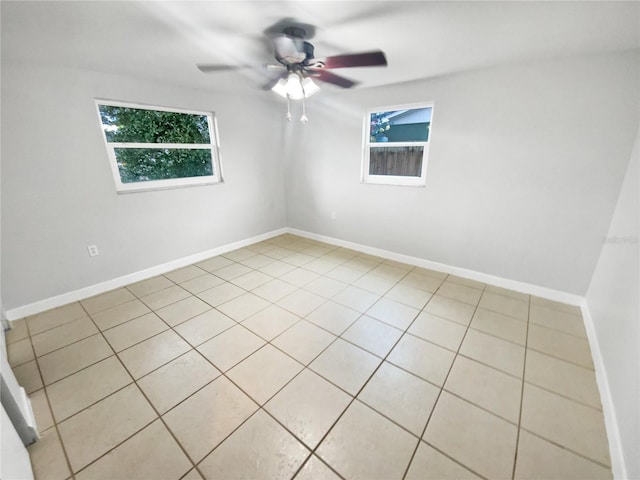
(522, 287)
(618, 466)
(92, 290)
(96, 289)
(615, 446)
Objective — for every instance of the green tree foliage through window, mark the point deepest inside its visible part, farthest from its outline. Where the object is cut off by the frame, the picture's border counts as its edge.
(153, 145)
(144, 164)
(136, 125)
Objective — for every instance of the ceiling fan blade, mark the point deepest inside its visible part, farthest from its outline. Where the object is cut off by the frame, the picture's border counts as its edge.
(208, 68)
(366, 59)
(213, 68)
(329, 77)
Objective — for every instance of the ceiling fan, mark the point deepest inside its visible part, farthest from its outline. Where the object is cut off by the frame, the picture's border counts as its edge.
(295, 57)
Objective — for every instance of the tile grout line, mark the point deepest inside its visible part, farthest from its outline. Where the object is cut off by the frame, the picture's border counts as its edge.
(152, 336)
(97, 401)
(305, 366)
(524, 369)
(31, 335)
(158, 416)
(480, 407)
(383, 359)
(54, 328)
(238, 323)
(346, 392)
(260, 407)
(555, 357)
(444, 382)
(579, 402)
(224, 374)
(102, 359)
(421, 338)
(353, 397)
(53, 418)
(134, 382)
(321, 352)
(101, 331)
(380, 296)
(563, 332)
(566, 449)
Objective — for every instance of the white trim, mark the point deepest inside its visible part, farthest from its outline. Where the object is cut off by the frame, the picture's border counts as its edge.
(213, 124)
(148, 106)
(608, 409)
(213, 147)
(397, 179)
(92, 290)
(86, 292)
(163, 146)
(616, 452)
(165, 184)
(613, 433)
(528, 288)
(365, 177)
(17, 404)
(397, 144)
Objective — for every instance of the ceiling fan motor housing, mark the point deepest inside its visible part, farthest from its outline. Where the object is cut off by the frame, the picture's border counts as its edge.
(297, 56)
(295, 32)
(308, 51)
(298, 33)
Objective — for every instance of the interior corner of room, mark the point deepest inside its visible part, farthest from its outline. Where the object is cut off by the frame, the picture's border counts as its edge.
(531, 182)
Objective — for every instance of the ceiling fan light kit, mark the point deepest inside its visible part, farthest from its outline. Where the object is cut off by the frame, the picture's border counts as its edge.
(295, 87)
(296, 55)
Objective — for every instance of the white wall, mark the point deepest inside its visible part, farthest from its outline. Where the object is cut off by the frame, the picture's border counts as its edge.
(613, 301)
(525, 167)
(58, 194)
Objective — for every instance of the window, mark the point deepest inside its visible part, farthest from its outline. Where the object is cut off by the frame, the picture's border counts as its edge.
(154, 147)
(396, 146)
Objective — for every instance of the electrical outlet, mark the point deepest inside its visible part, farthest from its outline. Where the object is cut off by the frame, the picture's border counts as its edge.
(93, 250)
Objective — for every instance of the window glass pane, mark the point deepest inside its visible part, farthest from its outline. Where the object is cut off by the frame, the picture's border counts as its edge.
(145, 164)
(410, 125)
(396, 161)
(137, 125)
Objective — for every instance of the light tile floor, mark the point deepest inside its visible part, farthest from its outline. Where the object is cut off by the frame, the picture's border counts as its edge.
(293, 358)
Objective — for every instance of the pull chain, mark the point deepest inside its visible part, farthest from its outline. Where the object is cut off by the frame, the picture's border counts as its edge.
(304, 118)
(289, 116)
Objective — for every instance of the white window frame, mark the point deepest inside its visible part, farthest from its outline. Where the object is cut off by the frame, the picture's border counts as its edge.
(214, 147)
(367, 145)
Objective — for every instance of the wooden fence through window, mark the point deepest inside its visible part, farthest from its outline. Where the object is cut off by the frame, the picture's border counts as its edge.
(398, 161)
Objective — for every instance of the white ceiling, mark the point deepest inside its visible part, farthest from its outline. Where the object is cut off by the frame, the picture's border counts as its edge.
(164, 40)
